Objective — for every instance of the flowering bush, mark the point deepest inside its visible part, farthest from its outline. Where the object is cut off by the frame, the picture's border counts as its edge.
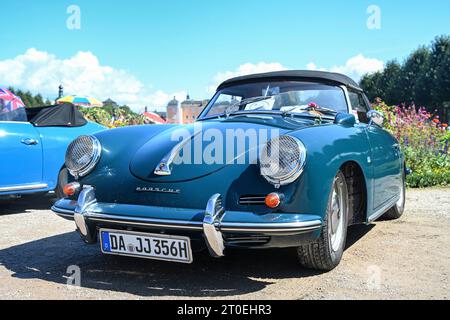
(120, 117)
(424, 140)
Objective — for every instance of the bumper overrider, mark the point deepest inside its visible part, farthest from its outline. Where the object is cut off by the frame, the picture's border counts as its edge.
(214, 223)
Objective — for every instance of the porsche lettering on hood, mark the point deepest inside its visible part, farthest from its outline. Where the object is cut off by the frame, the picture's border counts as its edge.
(158, 190)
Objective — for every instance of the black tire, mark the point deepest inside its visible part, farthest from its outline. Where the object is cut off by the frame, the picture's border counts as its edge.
(63, 178)
(397, 210)
(320, 255)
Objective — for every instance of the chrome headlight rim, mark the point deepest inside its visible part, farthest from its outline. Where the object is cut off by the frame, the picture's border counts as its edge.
(95, 157)
(295, 173)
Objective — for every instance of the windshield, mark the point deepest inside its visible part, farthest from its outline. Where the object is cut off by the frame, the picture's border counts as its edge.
(9, 112)
(283, 96)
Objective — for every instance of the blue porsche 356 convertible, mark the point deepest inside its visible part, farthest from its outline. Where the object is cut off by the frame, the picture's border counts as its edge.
(33, 143)
(275, 160)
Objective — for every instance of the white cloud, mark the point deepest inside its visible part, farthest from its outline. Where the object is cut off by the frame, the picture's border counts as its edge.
(313, 66)
(82, 74)
(355, 67)
(244, 69)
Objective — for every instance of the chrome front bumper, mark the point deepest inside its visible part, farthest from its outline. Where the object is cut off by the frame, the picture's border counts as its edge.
(214, 222)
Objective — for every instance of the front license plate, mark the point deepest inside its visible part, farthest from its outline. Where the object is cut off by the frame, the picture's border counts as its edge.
(145, 245)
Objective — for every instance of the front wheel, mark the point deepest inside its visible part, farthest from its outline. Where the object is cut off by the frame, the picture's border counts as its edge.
(326, 252)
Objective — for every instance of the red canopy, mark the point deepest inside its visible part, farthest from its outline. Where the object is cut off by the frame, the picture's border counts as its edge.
(154, 118)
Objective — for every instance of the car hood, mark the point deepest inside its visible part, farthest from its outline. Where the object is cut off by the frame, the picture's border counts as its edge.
(200, 139)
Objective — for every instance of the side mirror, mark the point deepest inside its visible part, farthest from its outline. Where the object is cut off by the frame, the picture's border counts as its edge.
(345, 119)
(375, 117)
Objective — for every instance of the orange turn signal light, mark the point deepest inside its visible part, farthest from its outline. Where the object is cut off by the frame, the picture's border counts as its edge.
(71, 188)
(273, 200)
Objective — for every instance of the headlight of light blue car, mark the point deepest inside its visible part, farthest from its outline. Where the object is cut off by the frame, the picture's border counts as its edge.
(282, 160)
(83, 155)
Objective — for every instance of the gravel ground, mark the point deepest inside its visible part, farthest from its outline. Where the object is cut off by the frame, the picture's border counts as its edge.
(404, 259)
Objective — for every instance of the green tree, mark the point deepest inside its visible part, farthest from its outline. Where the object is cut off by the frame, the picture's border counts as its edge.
(29, 99)
(38, 100)
(440, 66)
(390, 78)
(414, 78)
(372, 85)
(423, 77)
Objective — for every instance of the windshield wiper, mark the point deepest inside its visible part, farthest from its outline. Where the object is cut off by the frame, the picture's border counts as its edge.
(228, 111)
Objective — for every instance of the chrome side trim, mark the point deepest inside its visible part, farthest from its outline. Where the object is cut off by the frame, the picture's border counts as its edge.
(212, 224)
(65, 216)
(197, 225)
(15, 122)
(24, 187)
(148, 222)
(251, 200)
(377, 214)
(271, 227)
(61, 211)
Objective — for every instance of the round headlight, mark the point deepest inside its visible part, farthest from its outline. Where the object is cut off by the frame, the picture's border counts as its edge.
(282, 160)
(82, 155)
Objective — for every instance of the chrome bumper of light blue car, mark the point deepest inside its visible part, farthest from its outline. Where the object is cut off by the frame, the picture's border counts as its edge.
(214, 223)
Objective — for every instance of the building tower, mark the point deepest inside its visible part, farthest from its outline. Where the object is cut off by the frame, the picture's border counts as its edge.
(60, 91)
(173, 112)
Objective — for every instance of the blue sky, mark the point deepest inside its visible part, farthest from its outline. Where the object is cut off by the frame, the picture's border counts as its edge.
(165, 47)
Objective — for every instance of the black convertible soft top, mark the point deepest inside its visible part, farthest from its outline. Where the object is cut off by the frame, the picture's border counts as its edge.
(61, 115)
(304, 75)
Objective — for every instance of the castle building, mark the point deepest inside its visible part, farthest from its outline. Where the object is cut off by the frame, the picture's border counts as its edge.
(172, 111)
(186, 112)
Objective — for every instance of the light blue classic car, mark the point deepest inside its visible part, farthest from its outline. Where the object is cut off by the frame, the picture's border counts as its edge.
(276, 160)
(33, 145)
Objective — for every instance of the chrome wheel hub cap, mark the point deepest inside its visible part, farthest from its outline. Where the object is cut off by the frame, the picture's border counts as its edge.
(337, 218)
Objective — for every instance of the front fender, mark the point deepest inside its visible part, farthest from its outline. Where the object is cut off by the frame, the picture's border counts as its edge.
(55, 141)
(329, 147)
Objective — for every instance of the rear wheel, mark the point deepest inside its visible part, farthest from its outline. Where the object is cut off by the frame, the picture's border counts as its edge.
(63, 178)
(326, 252)
(397, 210)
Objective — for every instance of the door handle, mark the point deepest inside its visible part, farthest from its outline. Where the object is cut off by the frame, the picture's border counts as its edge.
(29, 142)
(397, 149)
